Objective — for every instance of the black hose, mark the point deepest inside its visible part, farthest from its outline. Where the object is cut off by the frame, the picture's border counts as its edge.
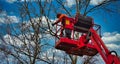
(113, 52)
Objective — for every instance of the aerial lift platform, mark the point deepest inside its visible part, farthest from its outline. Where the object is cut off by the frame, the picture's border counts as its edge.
(89, 43)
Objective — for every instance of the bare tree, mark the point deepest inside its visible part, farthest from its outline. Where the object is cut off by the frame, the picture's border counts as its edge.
(29, 39)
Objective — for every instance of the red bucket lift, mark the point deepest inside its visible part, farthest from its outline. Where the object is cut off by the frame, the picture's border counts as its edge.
(66, 44)
(89, 43)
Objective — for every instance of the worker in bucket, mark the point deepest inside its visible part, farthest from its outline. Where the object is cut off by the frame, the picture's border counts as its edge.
(67, 24)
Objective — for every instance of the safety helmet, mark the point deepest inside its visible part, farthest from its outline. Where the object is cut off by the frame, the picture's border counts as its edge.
(59, 15)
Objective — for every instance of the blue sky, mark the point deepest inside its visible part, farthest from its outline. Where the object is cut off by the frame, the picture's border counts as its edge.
(110, 23)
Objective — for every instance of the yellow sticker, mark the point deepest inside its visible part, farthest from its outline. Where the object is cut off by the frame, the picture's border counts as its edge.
(67, 22)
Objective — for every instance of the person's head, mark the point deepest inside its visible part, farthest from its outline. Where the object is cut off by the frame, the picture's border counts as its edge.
(58, 15)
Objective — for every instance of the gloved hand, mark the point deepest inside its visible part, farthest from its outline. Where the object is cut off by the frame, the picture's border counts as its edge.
(53, 24)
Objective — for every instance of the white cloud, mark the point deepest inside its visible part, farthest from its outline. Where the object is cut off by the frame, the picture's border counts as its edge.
(111, 37)
(27, 0)
(20, 39)
(12, 40)
(97, 59)
(4, 18)
(27, 38)
(9, 19)
(42, 21)
(113, 46)
(70, 2)
(3, 13)
(96, 2)
(11, 1)
(59, 55)
(112, 41)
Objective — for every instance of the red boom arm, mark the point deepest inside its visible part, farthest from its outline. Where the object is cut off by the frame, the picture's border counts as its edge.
(103, 50)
